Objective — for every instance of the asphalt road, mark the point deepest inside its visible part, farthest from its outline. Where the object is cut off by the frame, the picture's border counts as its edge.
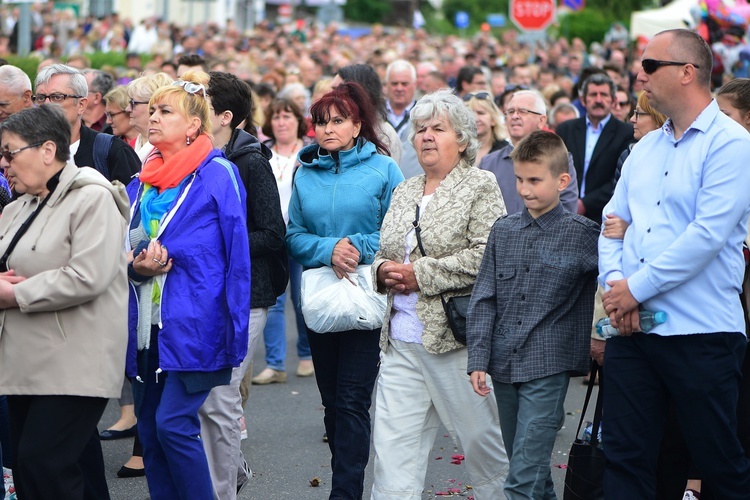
(285, 448)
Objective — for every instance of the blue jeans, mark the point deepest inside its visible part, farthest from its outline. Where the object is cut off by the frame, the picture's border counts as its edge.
(701, 375)
(531, 413)
(274, 334)
(346, 366)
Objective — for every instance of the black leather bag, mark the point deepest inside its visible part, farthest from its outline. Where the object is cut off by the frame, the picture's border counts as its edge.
(455, 307)
(455, 310)
(585, 473)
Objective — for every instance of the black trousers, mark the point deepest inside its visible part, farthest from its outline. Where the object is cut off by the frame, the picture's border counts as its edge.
(701, 375)
(56, 447)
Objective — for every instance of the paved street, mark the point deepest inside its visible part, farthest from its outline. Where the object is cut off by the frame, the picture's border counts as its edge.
(285, 448)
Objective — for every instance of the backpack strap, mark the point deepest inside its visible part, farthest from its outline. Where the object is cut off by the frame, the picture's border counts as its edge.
(102, 145)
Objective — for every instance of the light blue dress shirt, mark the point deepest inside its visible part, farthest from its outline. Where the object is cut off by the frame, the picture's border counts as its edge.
(687, 202)
(592, 137)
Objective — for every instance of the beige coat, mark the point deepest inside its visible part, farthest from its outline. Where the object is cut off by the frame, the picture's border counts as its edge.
(70, 332)
(455, 227)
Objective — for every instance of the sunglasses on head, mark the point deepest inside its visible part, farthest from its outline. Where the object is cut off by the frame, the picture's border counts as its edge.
(651, 65)
(191, 88)
(482, 96)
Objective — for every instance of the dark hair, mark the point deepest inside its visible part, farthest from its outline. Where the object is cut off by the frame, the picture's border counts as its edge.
(264, 90)
(368, 78)
(466, 75)
(351, 100)
(229, 93)
(598, 79)
(169, 63)
(557, 95)
(284, 105)
(39, 125)
(193, 60)
(738, 93)
(543, 148)
(102, 82)
(585, 74)
(690, 47)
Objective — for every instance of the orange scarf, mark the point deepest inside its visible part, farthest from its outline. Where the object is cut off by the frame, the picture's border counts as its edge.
(164, 175)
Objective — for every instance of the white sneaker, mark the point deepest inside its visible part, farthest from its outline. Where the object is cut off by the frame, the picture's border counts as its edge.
(243, 476)
(689, 495)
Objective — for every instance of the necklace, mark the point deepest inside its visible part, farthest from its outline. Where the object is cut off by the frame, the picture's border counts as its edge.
(283, 162)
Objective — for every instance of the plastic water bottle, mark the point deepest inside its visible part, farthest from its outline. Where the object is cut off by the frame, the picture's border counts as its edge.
(648, 320)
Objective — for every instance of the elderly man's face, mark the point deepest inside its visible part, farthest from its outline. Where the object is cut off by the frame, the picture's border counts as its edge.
(73, 107)
(401, 88)
(13, 102)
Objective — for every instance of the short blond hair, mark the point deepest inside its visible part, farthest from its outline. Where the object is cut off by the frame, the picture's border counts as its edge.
(188, 105)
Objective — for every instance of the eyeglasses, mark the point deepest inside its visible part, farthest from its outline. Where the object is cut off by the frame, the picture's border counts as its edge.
(482, 96)
(521, 112)
(651, 65)
(112, 115)
(56, 97)
(8, 155)
(622, 104)
(134, 103)
(191, 88)
(638, 114)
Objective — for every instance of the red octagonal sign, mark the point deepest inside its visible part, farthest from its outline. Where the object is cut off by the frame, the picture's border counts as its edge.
(532, 15)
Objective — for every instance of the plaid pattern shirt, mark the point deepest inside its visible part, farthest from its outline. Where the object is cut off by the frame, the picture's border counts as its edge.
(532, 304)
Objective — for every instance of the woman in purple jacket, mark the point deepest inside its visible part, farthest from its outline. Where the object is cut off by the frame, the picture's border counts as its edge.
(190, 286)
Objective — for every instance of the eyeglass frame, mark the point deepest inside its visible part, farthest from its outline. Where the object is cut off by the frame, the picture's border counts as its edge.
(9, 155)
(133, 103)
(58, 97)
(658, 64)
(521, 112)
(112, 115)
(637, 113)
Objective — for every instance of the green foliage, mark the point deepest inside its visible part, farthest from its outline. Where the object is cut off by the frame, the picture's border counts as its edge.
(98, 59)
(27, 64)
(589, 24)
(368, 11)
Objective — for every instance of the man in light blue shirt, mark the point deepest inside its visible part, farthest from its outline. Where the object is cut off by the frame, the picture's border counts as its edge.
(685, 191)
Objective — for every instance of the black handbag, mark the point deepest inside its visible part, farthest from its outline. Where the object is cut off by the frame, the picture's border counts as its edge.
(455, 307)
(585, 473)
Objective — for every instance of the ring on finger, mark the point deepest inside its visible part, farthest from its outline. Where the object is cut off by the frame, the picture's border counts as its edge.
(161, 264)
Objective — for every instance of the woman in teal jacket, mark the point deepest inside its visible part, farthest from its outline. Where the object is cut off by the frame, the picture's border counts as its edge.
(341, 193)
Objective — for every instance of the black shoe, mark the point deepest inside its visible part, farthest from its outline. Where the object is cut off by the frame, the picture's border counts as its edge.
(126, 472)
(111, 435)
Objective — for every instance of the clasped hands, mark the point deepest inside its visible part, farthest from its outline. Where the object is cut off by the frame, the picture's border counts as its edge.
(7, 297)
(621, 307)
(399, 278)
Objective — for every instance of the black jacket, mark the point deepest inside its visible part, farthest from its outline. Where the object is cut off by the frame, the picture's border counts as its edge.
(614, 138)
(122, 161)
(265, 224)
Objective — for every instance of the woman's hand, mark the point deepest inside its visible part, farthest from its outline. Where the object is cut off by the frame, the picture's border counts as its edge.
(479, 383)
(153, 260)
(397, 277)
(614, 227)
(7, 297)
(345, 257)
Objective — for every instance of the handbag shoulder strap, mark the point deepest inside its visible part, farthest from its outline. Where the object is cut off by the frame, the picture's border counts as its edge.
(418, 232)
(595, 370)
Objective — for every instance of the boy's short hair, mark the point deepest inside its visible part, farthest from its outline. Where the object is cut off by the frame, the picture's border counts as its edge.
(543, 148)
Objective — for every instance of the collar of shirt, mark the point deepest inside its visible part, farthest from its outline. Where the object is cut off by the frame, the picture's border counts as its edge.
(544, 221)
(601, 125)
(393, 116)
(701, 122)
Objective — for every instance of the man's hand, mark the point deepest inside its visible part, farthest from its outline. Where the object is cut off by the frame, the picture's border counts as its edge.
(618, 297)
(479, 383)
(597, 350)
(627, 323)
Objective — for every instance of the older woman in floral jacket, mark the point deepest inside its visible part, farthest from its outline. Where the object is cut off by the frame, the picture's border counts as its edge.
(423, 376)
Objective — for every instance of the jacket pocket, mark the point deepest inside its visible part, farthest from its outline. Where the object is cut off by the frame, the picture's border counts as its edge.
(58, 320)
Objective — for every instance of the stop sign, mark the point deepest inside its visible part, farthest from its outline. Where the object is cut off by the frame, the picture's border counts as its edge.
(532, 15)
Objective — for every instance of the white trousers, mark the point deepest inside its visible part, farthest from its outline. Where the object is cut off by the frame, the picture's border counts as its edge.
(220, 419)
(416, 391)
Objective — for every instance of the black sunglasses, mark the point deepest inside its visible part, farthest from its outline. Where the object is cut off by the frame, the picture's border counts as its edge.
(482, 96)
(651, 65)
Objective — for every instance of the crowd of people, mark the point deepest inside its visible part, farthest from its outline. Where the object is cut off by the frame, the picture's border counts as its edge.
(227, 165)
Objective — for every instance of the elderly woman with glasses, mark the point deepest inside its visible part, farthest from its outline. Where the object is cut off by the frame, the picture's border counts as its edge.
(63, 295)
(190, 294)
(140, 91)
(116, 104)
(491, 132)
(423, 378)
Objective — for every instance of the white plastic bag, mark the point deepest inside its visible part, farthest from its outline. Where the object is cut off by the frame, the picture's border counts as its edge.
(330, 304)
